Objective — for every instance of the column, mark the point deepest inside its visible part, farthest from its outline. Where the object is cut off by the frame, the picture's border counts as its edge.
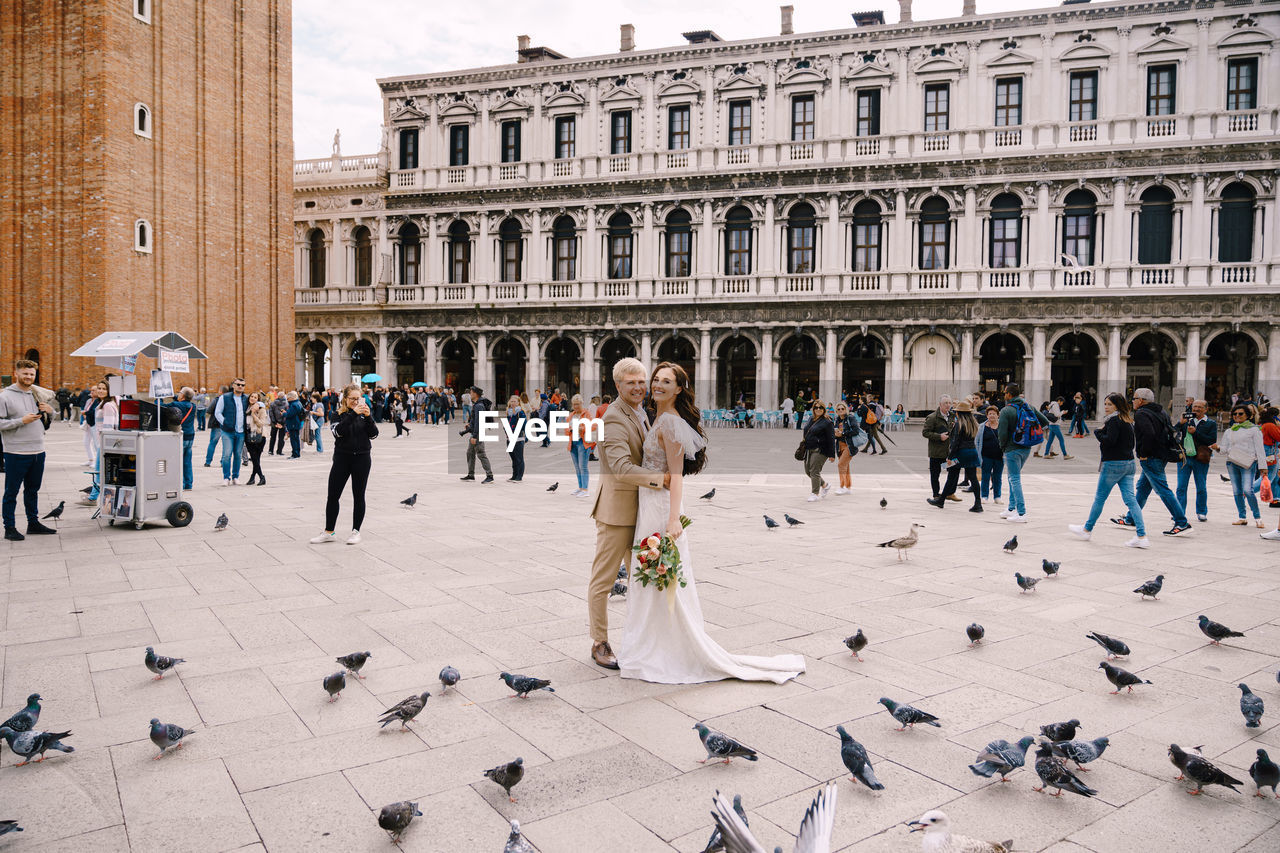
(1039, 365)
(338, 255)
(1118, 251)
(707, 244)
(383, 272)
(646, 348)
(1124, 91)
(533, 365)
(1198, 229)
(968, 365)
(340, 364)
(535, 250)
(1114, 379)
(769, 111)
(1202, 96)
(969, 256)
(832, 239)
(588, 378)
(300, 263)
(1193, 382)
(431, 360)
(385, 368)
(646, 252)
(704, 382)
(899, 243)
(1270, 369)
(973, 103)
(300, 367)
(482, 267)
(830, 384)
(432, 255)
(897, 369)
(591, 248)
(768, 239)
(1042, 244)
(766, 388)
(483, 367)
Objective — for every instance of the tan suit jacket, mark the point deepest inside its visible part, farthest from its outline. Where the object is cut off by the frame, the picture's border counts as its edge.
(621, 450)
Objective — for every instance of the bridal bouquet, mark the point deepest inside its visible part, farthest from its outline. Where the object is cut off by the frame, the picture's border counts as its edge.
(658, 561)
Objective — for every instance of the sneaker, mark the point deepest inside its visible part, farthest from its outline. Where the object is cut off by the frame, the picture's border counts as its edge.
(1067, 456)
(1178, 530)
(825, 489)
(1008, 512)
(323, 538)
(12, 534)
(1257, 522)
(1273, 535)
(811, 498)
(226, 482)
(354, 538)
(468, 477)
(1139, 542)
(1121, 521)
(1079, 532)
(1274, 504)
(208, 464)
(1239, 522)
(1018, 519)
(1202, 518)
(1051, 454)
(488, 479)
(36, 528)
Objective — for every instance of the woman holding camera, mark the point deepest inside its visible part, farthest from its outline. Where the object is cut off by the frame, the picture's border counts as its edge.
(353, 435)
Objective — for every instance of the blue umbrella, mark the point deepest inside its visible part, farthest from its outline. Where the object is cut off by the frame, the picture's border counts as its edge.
(418, 385)
(371, 377)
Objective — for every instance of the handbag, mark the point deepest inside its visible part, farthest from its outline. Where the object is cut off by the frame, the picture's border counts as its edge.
(307, 436)
(1241, 455)
(800, 451)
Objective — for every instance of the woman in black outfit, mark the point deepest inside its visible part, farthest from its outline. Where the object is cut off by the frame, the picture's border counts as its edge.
(962, 454)
(1117, 468)
(820, 445)
(353, 433)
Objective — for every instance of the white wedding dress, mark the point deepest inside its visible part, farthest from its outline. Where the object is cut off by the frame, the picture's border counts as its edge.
(665, 642)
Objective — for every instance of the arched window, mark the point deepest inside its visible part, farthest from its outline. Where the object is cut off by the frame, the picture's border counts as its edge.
(315, 258)
(679, 243)
(1006, 231)
(1235, 224)
(620, 243)
(1155, 226)
(459, 253)
(512, 250)
(410, 254)
(1079, 222)
(801, 231)
(737, 242)
(142, 120)
(142, 236)
(363, 244)
(868, 235)
(564, 240)
(935, 234)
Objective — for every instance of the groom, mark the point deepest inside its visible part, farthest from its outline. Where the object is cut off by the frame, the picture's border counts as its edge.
(620, 449)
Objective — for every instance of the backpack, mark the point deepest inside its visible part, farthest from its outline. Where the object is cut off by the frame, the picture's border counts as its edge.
(1028, 431)
(871, 417)
(1171, 449)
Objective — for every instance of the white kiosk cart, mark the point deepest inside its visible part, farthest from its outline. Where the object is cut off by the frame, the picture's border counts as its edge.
(140, 470)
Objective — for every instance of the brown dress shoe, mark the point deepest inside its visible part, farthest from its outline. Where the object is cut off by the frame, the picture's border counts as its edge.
(603, 656)
(953, 497)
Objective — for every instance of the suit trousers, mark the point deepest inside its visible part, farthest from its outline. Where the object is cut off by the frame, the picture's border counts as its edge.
(613, 549)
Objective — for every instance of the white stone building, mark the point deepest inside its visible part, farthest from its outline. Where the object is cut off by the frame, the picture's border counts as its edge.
(1076, 197)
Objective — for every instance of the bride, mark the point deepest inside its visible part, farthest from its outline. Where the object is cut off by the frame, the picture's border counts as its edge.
(664, 641)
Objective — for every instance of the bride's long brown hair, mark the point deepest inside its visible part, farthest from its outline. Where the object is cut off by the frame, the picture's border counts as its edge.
(688, 412)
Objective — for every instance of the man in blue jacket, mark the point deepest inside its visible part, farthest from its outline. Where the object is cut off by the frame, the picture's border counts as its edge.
(1197, 434)
(232, 412)
(293, 424)
(186, 408)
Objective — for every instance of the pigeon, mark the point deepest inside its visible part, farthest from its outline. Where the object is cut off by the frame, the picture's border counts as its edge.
(720, 745)
(507, 775)
(396, 818)
(553, 486)
(524, 684)
(855, 759)
(1050, 567)
(856, 643)
(516, 842)
(1002, 757)
(55, 513)
(1199, 770)
(770, 524)
(334, 684)
(619, 588)
(1151, 588)
(88, 490)
(1250, 706)
(165, 735)
(7, 826)
(715, 844)
(622, 572)
(909, 716)
(884, 504)
(449, 677)
(1054, 774)
(1084, 751)
(975, 633)
(1115, 648)
(26, 719)
(33, 742)
(791, 521)
(221, 523)
(1060, 731)
(708, 496)
(1027, 584)
(1120, 677)
(410, 501)
(404, 710)
(1216, 631)
(1265, 774)
(815, 829)
(1011, 545)
(903, 543)
(354, 661)
(938, 837)
(159, 664)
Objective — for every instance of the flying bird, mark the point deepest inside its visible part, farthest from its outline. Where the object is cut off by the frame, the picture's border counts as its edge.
(1002, 757)
(1216, 631)
(507, 775)
(55, 513)
(1115, 648)
(1265, 774)
(516, 842)
(815, 829)
(221, 523)
(1120, 677)
(1250, 706)
(1011, 545)
(1050, 567)
(1199, 770)
(159, 664)
(938, 837)
(33, 742)
(720, 745)
(404, 710)
(908, 715)
(791, 521)
(1060, 731)
(975, 633)
(884, 504)
(1084, 751)
(165, 735)
(1027, 584)
(354, 661)
(1054, 774)
(410, 501)
(553, 486)
(856, 643)
(449, 677)
(334, 684)
(708, 496)
(715, 844)
(855, 759)
(524, 684)
(770, 524)
(1151, 588)
(396, 818)
(903, 543)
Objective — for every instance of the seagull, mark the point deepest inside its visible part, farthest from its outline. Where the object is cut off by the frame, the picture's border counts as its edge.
(56, 512)
(903, 543)
(553, 486)
(770, 524)
(1050, 567)
(1027, 584)
(791, 521)
(884, 504)
(938, 837)
(1068, 261)
(221, 523)
(411, 500)
(975, 633)
(1151, 588)
(708, 496)
(815, 829)
(1011, 545)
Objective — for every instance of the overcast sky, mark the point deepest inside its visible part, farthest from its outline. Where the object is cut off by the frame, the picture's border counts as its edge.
(341, 48)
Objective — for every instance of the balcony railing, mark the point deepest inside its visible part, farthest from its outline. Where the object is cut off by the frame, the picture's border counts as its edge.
(1237, 273)
(405, 180)
(620, 164)
(1245, 121)
(1008, 138)
(1082, 131)
(1075, 277)
(1004, 279)
(866, 146)
(796, 284)
(677, 160)
(511, 171)
(934, 142)
(362, 169)
(737, 284)
(738, 155)
(562, 168)
(1156, 275)
(797, 151)
(673, 287)
(1162, 126)
(866, 281)
(934, 281)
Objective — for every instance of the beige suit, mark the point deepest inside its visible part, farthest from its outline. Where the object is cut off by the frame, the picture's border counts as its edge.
(621, 449)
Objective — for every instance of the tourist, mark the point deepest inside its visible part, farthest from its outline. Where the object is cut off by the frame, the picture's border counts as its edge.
(847, 429)
(317, 421)
(106, 415)
(820, 446)
(544, 412)
(937, 431)
(1150, 428)
(63, 396)
(1052, 410)
(184, 405)
(23, 423)
(1246, 454)
(353, 435)
(870, 413)
(474, 405)
(516, 417)
(992, 458)
(230, 412)
(1116, 441)
(898, 420)
(579, 448)
(1078, 425)
(293, 415)
(202, 407)
(1017, 437)
(215, 433)
(397, 416)
(276, 409)
(1197, 433)
(1267, 422)
(963, 454)
(89, 413)
(255, 438)
(800, 407)
(788, 406)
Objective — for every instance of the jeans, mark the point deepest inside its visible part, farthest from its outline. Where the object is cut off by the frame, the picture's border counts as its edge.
(1055, 431)
(1187, 469)
(1117, 474)
(295, 443)
(317, 435)
(200, 415)
(355, 467)
(1153, 479)
(188, 477)
(1078, 426)
(1273, 470)
(215, 438)
(232, 450)
(579, 453)
(517, 462)
(474, 449)
(1241, 489)
(22, 471)
(1013, 461)
(992, 471)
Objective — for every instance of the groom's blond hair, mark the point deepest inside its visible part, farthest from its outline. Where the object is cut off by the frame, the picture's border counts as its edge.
(628, 367)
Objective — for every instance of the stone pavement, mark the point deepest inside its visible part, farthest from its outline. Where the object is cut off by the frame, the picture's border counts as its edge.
(491, 578)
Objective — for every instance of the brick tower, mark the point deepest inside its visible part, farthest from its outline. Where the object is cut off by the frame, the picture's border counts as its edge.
(146, 169)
